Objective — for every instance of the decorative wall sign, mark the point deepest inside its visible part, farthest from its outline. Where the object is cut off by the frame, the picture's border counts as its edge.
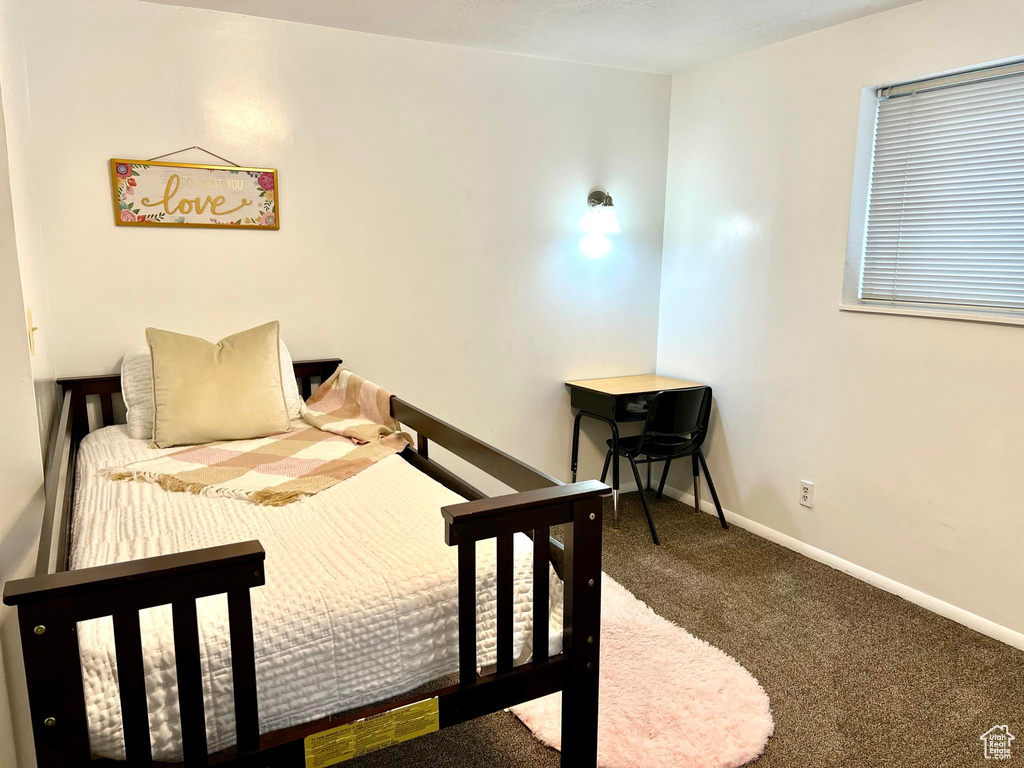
(158, 194)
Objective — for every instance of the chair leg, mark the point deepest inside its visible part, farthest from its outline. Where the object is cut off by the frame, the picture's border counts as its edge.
(607, 463)
(714, 493)
(648, 473)
(664, 476)
(696, 482)
(643, 500)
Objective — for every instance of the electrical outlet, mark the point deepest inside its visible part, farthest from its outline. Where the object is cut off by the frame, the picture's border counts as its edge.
(807, 493)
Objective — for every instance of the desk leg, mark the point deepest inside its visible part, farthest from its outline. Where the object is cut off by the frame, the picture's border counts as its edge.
(615, 473)
(575, 443)
(615, 457)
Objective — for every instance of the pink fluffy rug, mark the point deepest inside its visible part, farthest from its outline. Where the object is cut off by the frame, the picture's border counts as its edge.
(667, 698)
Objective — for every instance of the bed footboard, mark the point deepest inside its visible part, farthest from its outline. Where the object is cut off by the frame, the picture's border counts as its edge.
(575, 670)
(50, 607)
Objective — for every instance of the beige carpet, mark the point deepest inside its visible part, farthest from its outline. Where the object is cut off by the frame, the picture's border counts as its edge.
(858, 678)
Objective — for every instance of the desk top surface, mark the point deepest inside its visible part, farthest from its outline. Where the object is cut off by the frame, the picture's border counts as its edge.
(632, 385)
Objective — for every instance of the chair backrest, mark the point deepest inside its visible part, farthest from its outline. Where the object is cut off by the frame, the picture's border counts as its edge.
(677, 419)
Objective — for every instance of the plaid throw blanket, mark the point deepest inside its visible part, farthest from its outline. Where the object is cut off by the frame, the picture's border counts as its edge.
(350, 428)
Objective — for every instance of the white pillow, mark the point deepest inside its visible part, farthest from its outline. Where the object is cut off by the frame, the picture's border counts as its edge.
(292, 399)
(137, 389)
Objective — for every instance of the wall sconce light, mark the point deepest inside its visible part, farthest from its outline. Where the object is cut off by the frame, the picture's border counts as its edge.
(599, 222)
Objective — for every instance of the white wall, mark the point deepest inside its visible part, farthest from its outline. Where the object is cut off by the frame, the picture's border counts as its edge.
(22, 173)
(912, 429)
(21, 474)
(430, 198)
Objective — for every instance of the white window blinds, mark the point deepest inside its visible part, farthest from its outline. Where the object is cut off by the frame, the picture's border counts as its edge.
(945, 220)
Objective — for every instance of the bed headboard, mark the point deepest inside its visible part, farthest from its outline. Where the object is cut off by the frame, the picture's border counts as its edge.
(104, 387)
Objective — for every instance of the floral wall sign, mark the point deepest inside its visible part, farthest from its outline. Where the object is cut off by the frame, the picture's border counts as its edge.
(156, 194)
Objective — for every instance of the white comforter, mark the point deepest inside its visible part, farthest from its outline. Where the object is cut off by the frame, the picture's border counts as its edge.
(360, 602)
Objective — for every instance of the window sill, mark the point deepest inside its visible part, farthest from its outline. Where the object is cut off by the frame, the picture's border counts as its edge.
(971, 316)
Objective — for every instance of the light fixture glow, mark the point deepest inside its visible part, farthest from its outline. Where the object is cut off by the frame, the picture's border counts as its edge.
(599, 221)
(594, 245)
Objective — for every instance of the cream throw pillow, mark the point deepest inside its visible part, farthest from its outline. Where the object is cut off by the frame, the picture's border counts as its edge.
(231, 390)
(137, 390)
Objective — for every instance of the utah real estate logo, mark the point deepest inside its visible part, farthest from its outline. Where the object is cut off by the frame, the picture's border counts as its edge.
(997, 742)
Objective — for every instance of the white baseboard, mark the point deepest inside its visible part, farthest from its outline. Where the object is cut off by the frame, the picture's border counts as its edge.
(935, 605)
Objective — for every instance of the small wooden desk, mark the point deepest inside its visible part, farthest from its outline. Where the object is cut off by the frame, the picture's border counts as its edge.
(622, 398)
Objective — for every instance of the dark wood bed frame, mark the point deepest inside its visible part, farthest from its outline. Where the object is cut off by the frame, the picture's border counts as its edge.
(51, 603)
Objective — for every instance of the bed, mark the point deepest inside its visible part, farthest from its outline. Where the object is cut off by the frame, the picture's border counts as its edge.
(214, 631)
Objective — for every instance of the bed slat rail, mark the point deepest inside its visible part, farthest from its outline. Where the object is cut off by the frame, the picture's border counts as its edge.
(60, 475)
(467, 614)
(131, 679)
(541, 595)
(496, 463)
(189, 669)
(578, 506)
(243, 675)
(50, 607)
(445, 477)
(505, 575)
(81, 389)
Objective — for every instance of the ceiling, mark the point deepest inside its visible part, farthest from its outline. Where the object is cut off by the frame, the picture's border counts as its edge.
(651, 35)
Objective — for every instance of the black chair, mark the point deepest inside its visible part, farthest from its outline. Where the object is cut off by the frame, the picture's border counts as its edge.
(675, 427)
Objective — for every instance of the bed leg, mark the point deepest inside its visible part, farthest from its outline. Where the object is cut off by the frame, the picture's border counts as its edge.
(56, 698)
(582, 634)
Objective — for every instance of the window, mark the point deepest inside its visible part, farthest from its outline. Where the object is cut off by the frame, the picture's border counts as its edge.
(944, 223)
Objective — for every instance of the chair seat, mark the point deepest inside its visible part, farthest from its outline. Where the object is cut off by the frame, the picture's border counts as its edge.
(630, 446)
(626, 444)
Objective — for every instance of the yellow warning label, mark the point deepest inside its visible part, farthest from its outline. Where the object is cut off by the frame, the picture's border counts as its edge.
(371, 733)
